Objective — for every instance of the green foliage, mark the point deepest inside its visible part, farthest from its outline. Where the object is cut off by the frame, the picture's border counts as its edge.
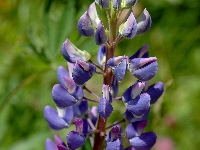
(31, 34)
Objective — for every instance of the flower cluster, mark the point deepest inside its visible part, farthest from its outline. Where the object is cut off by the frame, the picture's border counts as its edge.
(70, 96)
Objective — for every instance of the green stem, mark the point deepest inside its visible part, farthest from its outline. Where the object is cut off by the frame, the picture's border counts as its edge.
(101, 125)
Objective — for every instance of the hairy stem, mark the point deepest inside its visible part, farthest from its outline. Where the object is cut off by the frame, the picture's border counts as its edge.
(101, 125)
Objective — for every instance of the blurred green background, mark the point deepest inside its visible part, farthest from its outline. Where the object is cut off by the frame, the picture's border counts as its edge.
(31, 34)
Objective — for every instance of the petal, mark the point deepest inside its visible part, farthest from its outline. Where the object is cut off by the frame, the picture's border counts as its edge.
(120, 70)
(103, 3)
(104, 108)
(82, 126)
(155, 91)
(70, 85)
(71, 53)
(141, 53)
(144, 142)
(139, 105)
(113, 62)
(93, 114)
(61, 72)
(106, 92)
(113, 134)
(80, 75)
(101, 56)
(116, 4)
(54, 121)
(50, 145)
(61, 96)
(129, 116)
(84, 26)
(93, 14)
(130, 3)
(114, 86)
(100, 34)
(144, 68)
(143, 22)
(115, 145)
(62, 147)
(58, 140)
(129, 28)
(68, 115)
(133, 91)
(75, 140)
(80, 108)
(135, 129)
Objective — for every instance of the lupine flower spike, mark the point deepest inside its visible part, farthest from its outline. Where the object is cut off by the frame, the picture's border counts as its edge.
(94, 115)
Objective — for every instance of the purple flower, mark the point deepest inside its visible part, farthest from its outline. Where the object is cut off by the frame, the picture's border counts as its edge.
(130, 3)
(75, 140)
(82, 72)
(141, 53)
(129, 28)
(100, 34)
(143, 22)
(105, 108)
(144, 68)
(50, 145)
(101, 56)
(60, 119)
(71, 53)
(84, 26)
(117, 4)
(119, 65)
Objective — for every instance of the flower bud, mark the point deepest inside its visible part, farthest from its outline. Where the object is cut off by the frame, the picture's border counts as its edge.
(72, 53)
(82, 126)
(114, 86)
(143, 22)
(144, 68)
(50, 145)
(80, 108)
(82, 72)
(105, 4)
(115, 145)
(100, 34)
(84, 26)
(113, 134)
(141, 53)
(129, 28)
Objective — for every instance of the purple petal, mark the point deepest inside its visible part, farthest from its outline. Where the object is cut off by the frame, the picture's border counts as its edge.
(101, 56)
(68, 115)
(139, 105)
(130, 3)
(106, 92)
(62, 147)
(54, 121)
(135, 129)
(71, 53)
(114, 86)
(103, 3)
(58, 140)
(93, 14)
(75, 140)
(61, 72)
(143, 22)
(92, 114)
(116, 4)
(80, 75)
(155, 91)
(144, 68)
(133, 91)
(70, 85)
(113, 134)
(144, 142)
(100, 34)
(85, 26)
(61, 97)
(130, 27)
(141, 53)
(50, 145)
(115, 145)
(80, 108)
(104, 108)
(120, 70)
(113, 62)
(129, 116)
(78, 93)
(82, 126)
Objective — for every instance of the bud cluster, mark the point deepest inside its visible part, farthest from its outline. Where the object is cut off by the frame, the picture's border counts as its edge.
(70, 94)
